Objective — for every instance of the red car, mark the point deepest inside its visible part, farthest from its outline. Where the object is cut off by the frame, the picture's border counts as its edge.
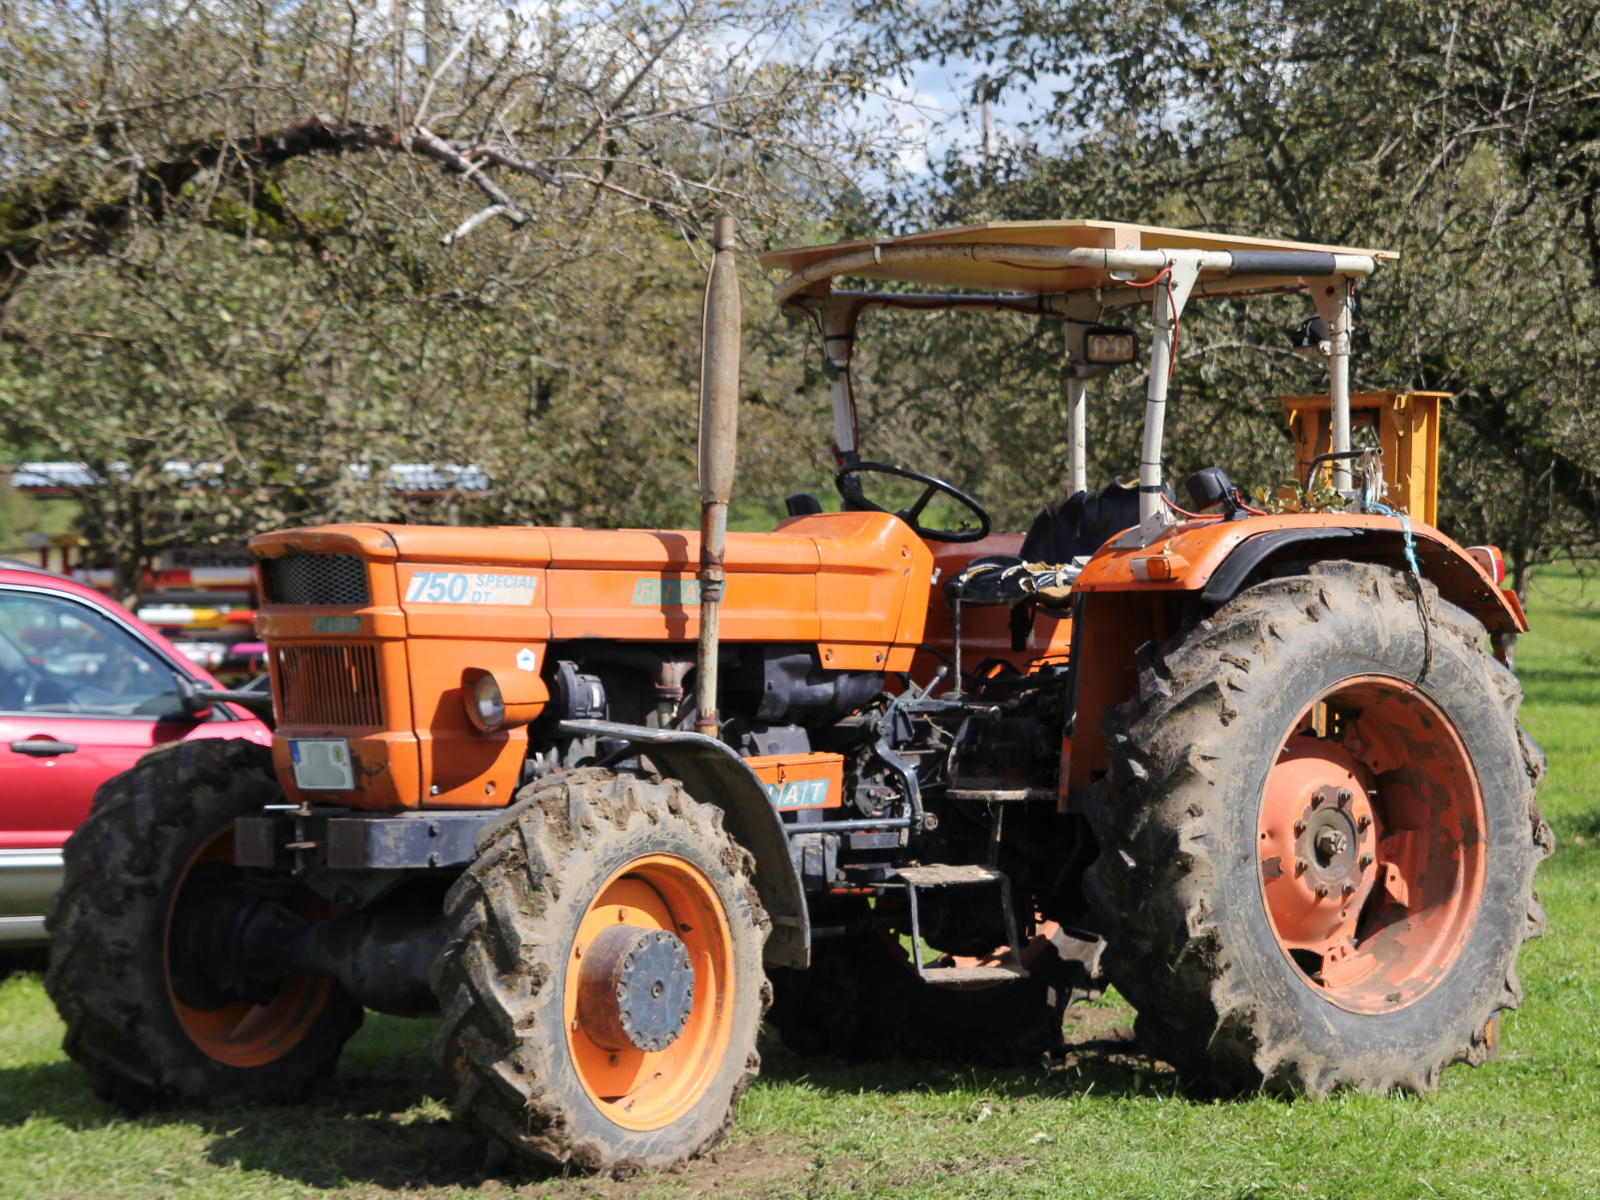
(85, 689)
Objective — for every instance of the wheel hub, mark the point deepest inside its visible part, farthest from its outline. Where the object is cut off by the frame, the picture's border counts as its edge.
(1330, 845)
(635, 988)
(1315, 846)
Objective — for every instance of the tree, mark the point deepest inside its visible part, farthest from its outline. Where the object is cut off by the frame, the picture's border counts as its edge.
(281, 242)
(1463, 135)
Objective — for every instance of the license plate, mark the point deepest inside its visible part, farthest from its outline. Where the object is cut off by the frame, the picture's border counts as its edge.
(322, 764)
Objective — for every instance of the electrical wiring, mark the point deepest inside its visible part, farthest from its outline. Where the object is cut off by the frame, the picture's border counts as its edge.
(1165, 277)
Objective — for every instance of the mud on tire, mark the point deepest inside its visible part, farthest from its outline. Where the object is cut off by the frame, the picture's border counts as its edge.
(575, 846)
(109, 967)
(1181, 884)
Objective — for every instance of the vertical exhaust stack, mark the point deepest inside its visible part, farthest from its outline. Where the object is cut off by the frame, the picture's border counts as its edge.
(719, 437)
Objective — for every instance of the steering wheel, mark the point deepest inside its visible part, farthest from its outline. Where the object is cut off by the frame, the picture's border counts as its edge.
(850, 489)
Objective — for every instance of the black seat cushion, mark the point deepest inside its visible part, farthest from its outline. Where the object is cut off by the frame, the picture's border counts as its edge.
(1079, 525)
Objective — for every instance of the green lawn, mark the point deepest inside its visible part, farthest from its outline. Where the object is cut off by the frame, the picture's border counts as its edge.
(1113, 1126)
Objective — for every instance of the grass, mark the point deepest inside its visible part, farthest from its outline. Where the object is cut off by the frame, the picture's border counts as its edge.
(1114, 1125)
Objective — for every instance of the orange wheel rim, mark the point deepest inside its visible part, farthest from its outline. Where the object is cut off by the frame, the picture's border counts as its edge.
(243, 1034)
(640, 1089)
(1371, 844)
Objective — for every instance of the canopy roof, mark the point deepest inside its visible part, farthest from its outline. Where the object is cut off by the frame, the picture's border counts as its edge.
(984, 270)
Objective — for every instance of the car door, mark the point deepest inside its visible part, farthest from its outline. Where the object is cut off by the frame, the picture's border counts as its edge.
(81, 697)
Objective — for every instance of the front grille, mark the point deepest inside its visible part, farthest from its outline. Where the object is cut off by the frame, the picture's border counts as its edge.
(329, 685)
(317, 579)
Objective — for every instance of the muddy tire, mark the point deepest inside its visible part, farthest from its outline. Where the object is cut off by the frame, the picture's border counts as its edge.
(153, 831)
(1319, 837)
(538, 1063)
(860, 1000)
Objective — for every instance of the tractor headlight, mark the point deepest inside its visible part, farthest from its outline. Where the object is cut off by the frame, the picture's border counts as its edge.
(509, 700)
(487, 708)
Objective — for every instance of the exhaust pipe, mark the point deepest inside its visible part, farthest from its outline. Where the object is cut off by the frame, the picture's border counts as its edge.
(719, 437)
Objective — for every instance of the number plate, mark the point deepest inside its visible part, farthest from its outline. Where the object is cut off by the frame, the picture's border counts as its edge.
(322, 764)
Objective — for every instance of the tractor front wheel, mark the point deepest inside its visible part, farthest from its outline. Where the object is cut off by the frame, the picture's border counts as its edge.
(602, 987)
(144, 1016)
(1319, 837)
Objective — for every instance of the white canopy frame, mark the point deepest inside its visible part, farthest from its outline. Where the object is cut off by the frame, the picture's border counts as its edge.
(1175, 274)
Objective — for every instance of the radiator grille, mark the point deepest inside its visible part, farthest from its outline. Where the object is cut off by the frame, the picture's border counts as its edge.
(329, 685)
(317, 579)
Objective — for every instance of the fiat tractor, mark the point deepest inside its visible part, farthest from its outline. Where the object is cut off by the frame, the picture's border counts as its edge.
(896, 782)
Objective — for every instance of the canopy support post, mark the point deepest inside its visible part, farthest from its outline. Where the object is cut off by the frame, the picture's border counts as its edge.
(1078, 312)
(1166, 307)
(1332, 298)
(1077, 438)
(839, 315)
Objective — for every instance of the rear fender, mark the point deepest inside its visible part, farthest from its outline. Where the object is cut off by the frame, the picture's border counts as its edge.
(713, 773)
(1215, 558)
(1123, 600)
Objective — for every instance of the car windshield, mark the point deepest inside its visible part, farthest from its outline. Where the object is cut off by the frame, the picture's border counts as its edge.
(62, 656)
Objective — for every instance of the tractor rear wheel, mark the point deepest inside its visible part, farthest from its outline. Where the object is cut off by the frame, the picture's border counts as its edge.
(602, 986)
(861, 1000)
(143, 1017)
(1319, 837)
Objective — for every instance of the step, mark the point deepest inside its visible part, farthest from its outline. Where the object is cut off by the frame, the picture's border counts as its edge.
(1001, 795)
(947, 875)
(948, 975)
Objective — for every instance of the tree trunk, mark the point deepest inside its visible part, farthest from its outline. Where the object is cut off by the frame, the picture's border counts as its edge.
(128, 557)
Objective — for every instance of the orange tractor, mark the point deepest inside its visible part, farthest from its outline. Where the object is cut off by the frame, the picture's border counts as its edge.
(583, 793)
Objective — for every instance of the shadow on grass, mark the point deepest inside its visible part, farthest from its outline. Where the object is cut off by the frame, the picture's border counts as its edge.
(381, 1122)
(1110, 1064)
(30, 961)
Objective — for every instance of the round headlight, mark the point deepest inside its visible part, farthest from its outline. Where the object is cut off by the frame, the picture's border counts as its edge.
(488, 707)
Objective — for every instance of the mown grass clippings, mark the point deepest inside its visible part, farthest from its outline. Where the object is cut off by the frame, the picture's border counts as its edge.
(1099, 1120)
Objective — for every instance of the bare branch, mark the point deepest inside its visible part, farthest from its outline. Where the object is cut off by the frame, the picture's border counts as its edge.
(471, 223)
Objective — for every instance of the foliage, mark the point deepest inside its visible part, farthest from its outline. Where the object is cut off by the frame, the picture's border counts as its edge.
(1463, 136)
(292, 245)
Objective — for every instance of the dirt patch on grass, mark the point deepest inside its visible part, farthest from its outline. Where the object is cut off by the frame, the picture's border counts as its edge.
(755, 1168)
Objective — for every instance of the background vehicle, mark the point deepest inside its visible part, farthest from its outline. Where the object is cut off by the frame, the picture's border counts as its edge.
(85, 689)
(579, 791)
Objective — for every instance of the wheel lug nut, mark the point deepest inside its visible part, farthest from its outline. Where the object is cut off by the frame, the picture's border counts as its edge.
(1362, 822)
(1300, 866)
(1349, 889)
(1344, 797)
(1299, 828)
(1366, 861)
(1322, 891)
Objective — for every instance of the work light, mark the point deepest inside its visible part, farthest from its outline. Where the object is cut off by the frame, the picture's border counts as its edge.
(1110, 345)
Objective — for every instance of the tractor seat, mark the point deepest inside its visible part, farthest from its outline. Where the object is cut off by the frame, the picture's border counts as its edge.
(1061, 540)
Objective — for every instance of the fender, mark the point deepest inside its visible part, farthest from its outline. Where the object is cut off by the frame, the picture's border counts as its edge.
(1130, 594)
(1214, 557)
(713, 773)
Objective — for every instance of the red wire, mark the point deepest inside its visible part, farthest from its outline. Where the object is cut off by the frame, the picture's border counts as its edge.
(1173, 505)
(1166, 274)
